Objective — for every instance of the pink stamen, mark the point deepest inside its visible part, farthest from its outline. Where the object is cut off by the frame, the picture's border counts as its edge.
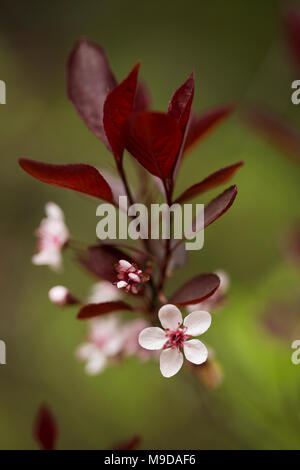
(176, 338)
(47, 240)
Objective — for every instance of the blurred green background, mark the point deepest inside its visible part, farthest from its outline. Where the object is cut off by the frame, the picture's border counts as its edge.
(238, 53)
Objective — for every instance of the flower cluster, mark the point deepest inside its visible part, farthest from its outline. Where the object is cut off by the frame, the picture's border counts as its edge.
(119, 115)
(130, 277)
(109, 341)
(52, 236)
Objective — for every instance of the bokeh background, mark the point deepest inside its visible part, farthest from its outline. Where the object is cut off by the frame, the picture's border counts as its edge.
(238, 52)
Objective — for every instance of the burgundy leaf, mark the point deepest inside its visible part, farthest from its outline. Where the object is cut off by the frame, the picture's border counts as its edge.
(117, 108)
(180, 108)
(197, 289)
(213, 180)
(276, 131)
(142, 101)
(79, 177)
(154, 140)
(89, 80)
(219, 205)
(181, 102)
(45, 429)
(95, 310)
(131, 444)
(212, 211)
(100, 260)
(291, 18)
(200, 125)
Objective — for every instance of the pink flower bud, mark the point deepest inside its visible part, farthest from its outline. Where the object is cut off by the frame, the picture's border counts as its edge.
(60, 295)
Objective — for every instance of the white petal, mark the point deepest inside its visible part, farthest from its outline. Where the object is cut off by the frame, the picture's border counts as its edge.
(197, 322)
(125, 264)
(152, 338)
(195, 351)
(85, 350)
(54, 211)
(134, 277)
(170, 317)
(95, 364)
(114, 345)
(106, 334)
(103, 291)
(51, 258)
(121, 284)
(171, 361)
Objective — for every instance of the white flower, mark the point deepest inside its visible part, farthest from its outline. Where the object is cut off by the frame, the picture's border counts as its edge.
(103, 291)
(52, 234)
(217, 298)
(105, 341)
(173, 338)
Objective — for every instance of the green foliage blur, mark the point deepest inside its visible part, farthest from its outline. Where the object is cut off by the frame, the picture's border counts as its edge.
(239, 55)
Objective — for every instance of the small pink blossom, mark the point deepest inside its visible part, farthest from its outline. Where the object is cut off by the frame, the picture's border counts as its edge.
(52, 234)
(131, 346)
(173, 338)
(61, 296)
(105, 342)
(130, 277)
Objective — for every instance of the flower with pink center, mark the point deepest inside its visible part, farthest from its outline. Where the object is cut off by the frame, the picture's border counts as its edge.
(217, 299)
(130, 277)
(105, 342)
(174, 338)
(52, 235)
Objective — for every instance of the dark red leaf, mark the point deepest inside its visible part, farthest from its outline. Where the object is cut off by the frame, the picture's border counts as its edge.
(100, 260)
(291, 18)
(213, 180)
(45, 429)
(117, 108)
(79, 177)
(272, 127)
(200, 125)
(215, 209)
(95, 310)
(197, 289)
(142, 101)
(181, 102)
(219, 205)
(180, 108)
(132, 444)
(89, 80)
(154, 140)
